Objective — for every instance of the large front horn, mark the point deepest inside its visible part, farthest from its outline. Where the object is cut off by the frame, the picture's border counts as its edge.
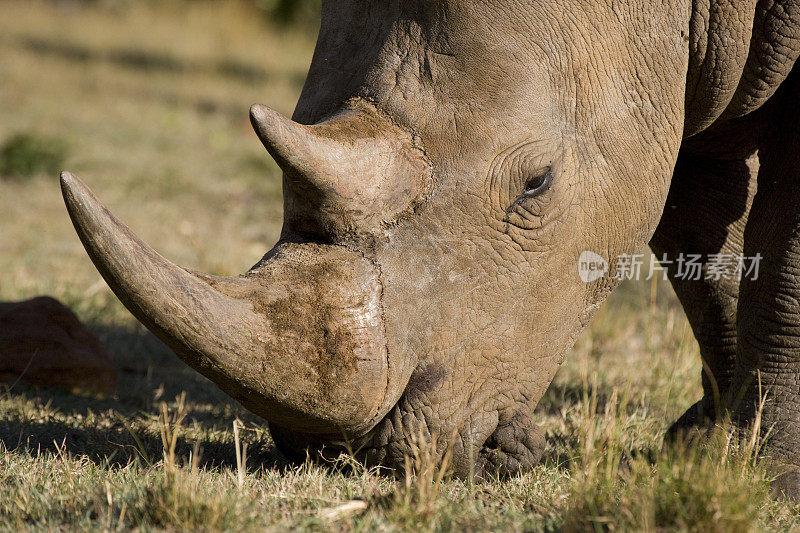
(299, 340)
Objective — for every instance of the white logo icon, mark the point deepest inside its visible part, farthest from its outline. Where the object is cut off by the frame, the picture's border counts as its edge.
(591, 266)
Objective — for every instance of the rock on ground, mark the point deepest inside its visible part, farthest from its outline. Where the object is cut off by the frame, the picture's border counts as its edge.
(43, 343)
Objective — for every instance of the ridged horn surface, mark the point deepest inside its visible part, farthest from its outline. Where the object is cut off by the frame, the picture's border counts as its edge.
(298, 340)
(354, 170)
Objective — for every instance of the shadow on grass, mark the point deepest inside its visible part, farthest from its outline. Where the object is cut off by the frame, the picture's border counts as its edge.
(562, 395)
(562, 445)
(123, 428)
(116, 446)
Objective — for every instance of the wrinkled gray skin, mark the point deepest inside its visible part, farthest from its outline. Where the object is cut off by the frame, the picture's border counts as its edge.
(419, 288)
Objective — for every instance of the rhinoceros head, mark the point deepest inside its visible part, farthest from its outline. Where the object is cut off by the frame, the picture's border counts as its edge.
(447, 165)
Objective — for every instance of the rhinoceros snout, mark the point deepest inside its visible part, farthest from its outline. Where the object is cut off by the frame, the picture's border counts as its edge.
(298, 340)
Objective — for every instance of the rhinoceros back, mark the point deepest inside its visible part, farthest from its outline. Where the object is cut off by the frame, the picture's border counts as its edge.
(740, 53)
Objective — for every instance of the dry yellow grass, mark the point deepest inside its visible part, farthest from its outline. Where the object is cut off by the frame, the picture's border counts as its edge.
(154, 122)
(151, 99)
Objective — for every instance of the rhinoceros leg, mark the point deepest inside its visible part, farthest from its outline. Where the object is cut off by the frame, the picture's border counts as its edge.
(768, 355)
(705, 214)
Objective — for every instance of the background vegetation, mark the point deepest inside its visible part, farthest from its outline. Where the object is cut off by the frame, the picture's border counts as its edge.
(147, 101)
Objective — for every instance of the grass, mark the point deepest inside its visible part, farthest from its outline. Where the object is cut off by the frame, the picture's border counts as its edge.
(25, 155)
(152, 100)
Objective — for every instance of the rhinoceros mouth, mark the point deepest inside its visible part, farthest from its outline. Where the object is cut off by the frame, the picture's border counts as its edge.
(299, 339)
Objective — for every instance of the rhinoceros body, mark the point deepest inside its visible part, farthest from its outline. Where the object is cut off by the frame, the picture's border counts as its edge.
(446, 167)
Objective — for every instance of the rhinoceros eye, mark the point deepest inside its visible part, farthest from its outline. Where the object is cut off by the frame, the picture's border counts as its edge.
(538, 184)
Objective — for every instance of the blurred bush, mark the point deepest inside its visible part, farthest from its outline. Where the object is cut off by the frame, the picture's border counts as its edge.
(285, 11)
(279, 11)
(25, 155)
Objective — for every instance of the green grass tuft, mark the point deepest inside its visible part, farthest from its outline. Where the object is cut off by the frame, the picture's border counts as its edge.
(25, 155)
(713, 483)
